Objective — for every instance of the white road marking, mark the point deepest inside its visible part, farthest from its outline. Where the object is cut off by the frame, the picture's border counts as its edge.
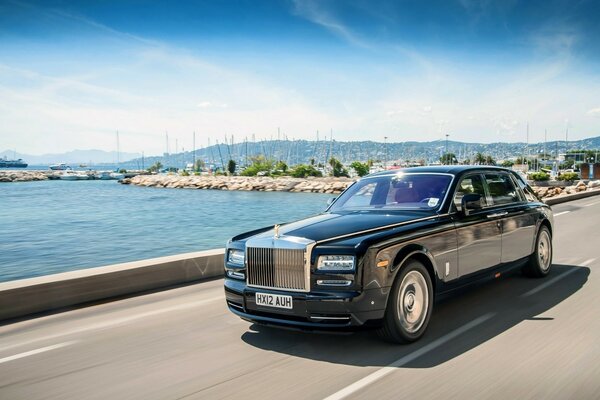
(591, 204)
(556, 279)
(561, 213)
(119, 321)
(380, 373)
(36, 351)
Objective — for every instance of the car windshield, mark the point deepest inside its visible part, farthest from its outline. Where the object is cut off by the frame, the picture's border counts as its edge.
(423, 191)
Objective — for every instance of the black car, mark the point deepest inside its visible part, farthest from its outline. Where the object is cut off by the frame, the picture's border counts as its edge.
(386, 248)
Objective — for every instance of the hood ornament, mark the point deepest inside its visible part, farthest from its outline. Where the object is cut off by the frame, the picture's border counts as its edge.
(276, 228)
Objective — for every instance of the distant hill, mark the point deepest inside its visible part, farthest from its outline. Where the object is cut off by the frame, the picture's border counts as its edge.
(302, 151)
(73, 157)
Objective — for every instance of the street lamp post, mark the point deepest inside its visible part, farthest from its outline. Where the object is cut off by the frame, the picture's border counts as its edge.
(386, 152)
(447, 155)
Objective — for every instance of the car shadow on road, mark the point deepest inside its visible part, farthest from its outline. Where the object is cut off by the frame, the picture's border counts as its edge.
(499, 305)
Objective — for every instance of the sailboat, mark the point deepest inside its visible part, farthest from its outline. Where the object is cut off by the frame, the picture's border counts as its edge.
(116, 174)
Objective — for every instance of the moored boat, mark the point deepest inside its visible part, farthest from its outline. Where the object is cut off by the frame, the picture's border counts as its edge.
(59, 167)
(18, 163)
(74, 176)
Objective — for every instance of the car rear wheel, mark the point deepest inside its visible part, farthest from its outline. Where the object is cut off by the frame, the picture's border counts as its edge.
(409, 306)
(540, 261)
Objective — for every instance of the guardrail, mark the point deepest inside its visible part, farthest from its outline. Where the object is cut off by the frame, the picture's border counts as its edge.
(36, 295)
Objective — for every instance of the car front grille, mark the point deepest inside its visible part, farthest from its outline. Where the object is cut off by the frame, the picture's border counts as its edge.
(284, 269)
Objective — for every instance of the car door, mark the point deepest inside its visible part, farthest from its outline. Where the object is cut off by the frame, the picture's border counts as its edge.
(479, 234)
(517, 218)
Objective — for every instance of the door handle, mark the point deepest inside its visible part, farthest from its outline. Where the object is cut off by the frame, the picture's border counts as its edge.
(498, 214)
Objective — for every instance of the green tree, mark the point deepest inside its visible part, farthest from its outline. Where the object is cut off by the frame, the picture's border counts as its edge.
(157, 166)
(361, 169)
(199, 166)
(281, 166)
(448, 158)
(489, 160)
(231, 167)
(302, 171)
(258, 164)
(337, 168)
(479, 159)
(507, 163)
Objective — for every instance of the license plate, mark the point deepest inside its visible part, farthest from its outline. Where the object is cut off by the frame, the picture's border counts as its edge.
(274, 300)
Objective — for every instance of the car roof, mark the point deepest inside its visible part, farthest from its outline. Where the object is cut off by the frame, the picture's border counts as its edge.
(445, 169)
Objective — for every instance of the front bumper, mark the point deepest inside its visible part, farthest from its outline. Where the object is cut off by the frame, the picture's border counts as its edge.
(316, 310)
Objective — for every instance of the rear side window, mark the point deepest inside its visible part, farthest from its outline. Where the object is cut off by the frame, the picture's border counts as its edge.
(502, 190)
(527, 190)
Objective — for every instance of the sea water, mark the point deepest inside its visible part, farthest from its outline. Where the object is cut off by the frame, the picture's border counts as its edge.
(48, 227)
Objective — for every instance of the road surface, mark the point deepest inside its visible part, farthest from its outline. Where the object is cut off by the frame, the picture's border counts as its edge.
(514, 338)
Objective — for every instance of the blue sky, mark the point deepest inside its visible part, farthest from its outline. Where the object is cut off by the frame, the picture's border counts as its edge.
(72, 73)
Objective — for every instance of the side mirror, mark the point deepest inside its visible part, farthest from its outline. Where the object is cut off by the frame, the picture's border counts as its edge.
(330, 201)
(471, 202)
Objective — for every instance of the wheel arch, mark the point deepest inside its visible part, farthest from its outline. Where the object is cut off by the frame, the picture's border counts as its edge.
(419, 253)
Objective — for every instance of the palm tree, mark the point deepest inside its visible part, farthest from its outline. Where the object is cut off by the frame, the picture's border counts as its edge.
(479, 159)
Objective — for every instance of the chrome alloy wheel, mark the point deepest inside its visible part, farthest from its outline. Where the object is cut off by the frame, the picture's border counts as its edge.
(413, 301)
(544, 250)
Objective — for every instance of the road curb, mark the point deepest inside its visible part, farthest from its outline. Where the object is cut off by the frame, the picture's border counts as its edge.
(570, 197)
(24, 297)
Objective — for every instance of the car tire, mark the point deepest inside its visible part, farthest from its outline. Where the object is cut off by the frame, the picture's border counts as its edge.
(540, 261)
(409, 305)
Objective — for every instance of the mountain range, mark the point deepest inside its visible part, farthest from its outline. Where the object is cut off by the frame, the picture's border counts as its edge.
(302, 151)
(89, 157)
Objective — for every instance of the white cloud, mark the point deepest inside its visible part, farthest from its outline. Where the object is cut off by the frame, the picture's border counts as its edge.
(594, 112)
(316, 13)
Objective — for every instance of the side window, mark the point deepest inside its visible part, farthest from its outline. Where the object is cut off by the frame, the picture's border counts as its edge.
(470, 185)
(527, 190)
(502, 190)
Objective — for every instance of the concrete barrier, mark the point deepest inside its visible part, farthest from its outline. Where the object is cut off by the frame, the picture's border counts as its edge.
(35, 295)
(570, 197)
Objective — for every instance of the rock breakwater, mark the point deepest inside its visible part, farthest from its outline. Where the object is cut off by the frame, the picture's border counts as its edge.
(261, 184)
(26, 176)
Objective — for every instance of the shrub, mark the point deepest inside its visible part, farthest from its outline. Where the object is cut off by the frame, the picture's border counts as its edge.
(539, 176)
(302, 171)
(568, 176)
(361, 169)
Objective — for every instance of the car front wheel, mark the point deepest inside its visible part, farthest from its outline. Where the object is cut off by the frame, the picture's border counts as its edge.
(409, 306)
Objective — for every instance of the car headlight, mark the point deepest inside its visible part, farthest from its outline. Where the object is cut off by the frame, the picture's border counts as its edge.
(236, 257)
(336, 263)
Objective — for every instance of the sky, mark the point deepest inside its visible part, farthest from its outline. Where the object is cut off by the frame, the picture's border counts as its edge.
(74, 73)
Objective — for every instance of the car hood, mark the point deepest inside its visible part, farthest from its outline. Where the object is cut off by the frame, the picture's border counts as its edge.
(332, 225)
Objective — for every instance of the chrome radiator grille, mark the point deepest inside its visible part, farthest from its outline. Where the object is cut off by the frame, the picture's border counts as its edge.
(277, 268)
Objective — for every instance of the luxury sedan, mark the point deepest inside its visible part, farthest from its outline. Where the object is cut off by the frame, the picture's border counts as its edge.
(386, 247)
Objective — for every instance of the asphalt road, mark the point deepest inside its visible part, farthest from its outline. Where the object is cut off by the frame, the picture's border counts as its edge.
(514, 338)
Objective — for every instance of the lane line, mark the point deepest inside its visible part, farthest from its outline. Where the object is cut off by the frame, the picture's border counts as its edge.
(591, 204)
(561, 213)
(36, 351)
(380, 373)
(556, 279)
(118, 321)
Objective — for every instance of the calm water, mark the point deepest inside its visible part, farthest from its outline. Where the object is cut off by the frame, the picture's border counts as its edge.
(55, 226)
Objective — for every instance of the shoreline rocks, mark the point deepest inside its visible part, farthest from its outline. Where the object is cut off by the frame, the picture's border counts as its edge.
(26, 175)
(329, 185)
